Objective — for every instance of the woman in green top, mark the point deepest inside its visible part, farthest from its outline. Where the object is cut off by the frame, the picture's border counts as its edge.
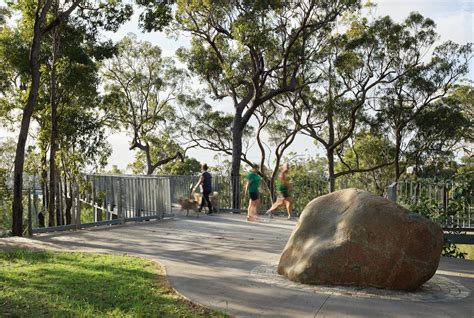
(253, 180)
(283, 189)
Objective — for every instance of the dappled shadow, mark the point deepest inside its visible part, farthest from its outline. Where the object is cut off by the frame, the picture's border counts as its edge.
(200, 242)
(209, 260)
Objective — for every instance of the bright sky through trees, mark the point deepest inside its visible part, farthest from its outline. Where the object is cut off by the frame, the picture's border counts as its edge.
(454, 19)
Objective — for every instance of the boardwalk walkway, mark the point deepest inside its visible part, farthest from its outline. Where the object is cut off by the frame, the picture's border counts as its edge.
(227, 263)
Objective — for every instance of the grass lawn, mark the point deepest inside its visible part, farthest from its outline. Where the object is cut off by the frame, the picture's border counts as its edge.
(56, 284)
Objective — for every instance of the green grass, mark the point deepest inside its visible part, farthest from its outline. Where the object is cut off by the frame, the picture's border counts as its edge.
(54, 284)
(469, 249)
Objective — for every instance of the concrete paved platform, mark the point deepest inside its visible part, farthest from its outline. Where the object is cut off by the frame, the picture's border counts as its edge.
(227, 263)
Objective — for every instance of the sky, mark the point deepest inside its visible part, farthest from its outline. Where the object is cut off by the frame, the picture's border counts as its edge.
(454, 19)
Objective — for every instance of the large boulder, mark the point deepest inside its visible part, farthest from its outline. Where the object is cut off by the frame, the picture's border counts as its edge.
(353, 237)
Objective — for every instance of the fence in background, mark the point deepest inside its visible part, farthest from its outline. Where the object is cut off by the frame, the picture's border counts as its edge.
(304, 192)
(449, 202)
(127, 197)
(97, 200)
(115, 199)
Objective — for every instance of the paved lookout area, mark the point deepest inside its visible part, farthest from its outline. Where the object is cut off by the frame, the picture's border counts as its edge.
(226, 263)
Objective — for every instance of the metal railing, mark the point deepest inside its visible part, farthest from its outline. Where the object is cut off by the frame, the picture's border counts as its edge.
(115, 199)
(129, 197)
(450, 201)
(99, 200)
(303, 191)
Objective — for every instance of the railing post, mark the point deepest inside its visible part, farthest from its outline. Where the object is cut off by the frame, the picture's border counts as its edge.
(120, 212)
(392, 192)
(94, 198)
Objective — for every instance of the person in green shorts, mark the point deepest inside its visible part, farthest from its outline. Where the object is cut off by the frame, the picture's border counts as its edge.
(283, 188)
(253, 181)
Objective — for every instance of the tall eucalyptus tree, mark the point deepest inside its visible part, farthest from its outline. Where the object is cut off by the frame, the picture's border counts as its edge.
(253, 51)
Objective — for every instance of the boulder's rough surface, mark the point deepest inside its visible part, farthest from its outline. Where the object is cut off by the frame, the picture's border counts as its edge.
(353, 237)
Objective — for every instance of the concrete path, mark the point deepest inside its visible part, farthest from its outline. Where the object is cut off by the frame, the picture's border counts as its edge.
(226, 263)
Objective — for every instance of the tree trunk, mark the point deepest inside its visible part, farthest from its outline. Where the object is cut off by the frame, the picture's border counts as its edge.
(332, 176)
(149, 164)
(54, 132)
(272, 188)
(236, 155)
(68, 194)
(44, 186)
(40, 16)
(59, 219)
(331, 139)
(52, 188)
(68, 199)
(17, 205)
(398, 145)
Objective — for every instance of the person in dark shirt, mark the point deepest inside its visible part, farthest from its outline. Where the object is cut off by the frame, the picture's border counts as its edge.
(206, 182)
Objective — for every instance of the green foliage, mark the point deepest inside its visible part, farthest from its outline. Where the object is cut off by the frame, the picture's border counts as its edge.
(430, 209)
(14, 72)
(228, 37)
(7, 156)
(4, 14)
(187, 167)
(160, 148)
(156, 14)
(82, 139)
(107, 15)
(467, 165)
(415, 93)
(51, 284)
(141, 86)
(308, 179)
(32, 167)
(251, 52)
(367, 150)
(440, 128)
(138, 166)
(115, 170)
(460, 197)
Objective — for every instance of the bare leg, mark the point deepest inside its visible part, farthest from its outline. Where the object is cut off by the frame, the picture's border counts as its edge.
(250, 212)
(249, 209)
(274, 206)
(289, 207)
(255, 206)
